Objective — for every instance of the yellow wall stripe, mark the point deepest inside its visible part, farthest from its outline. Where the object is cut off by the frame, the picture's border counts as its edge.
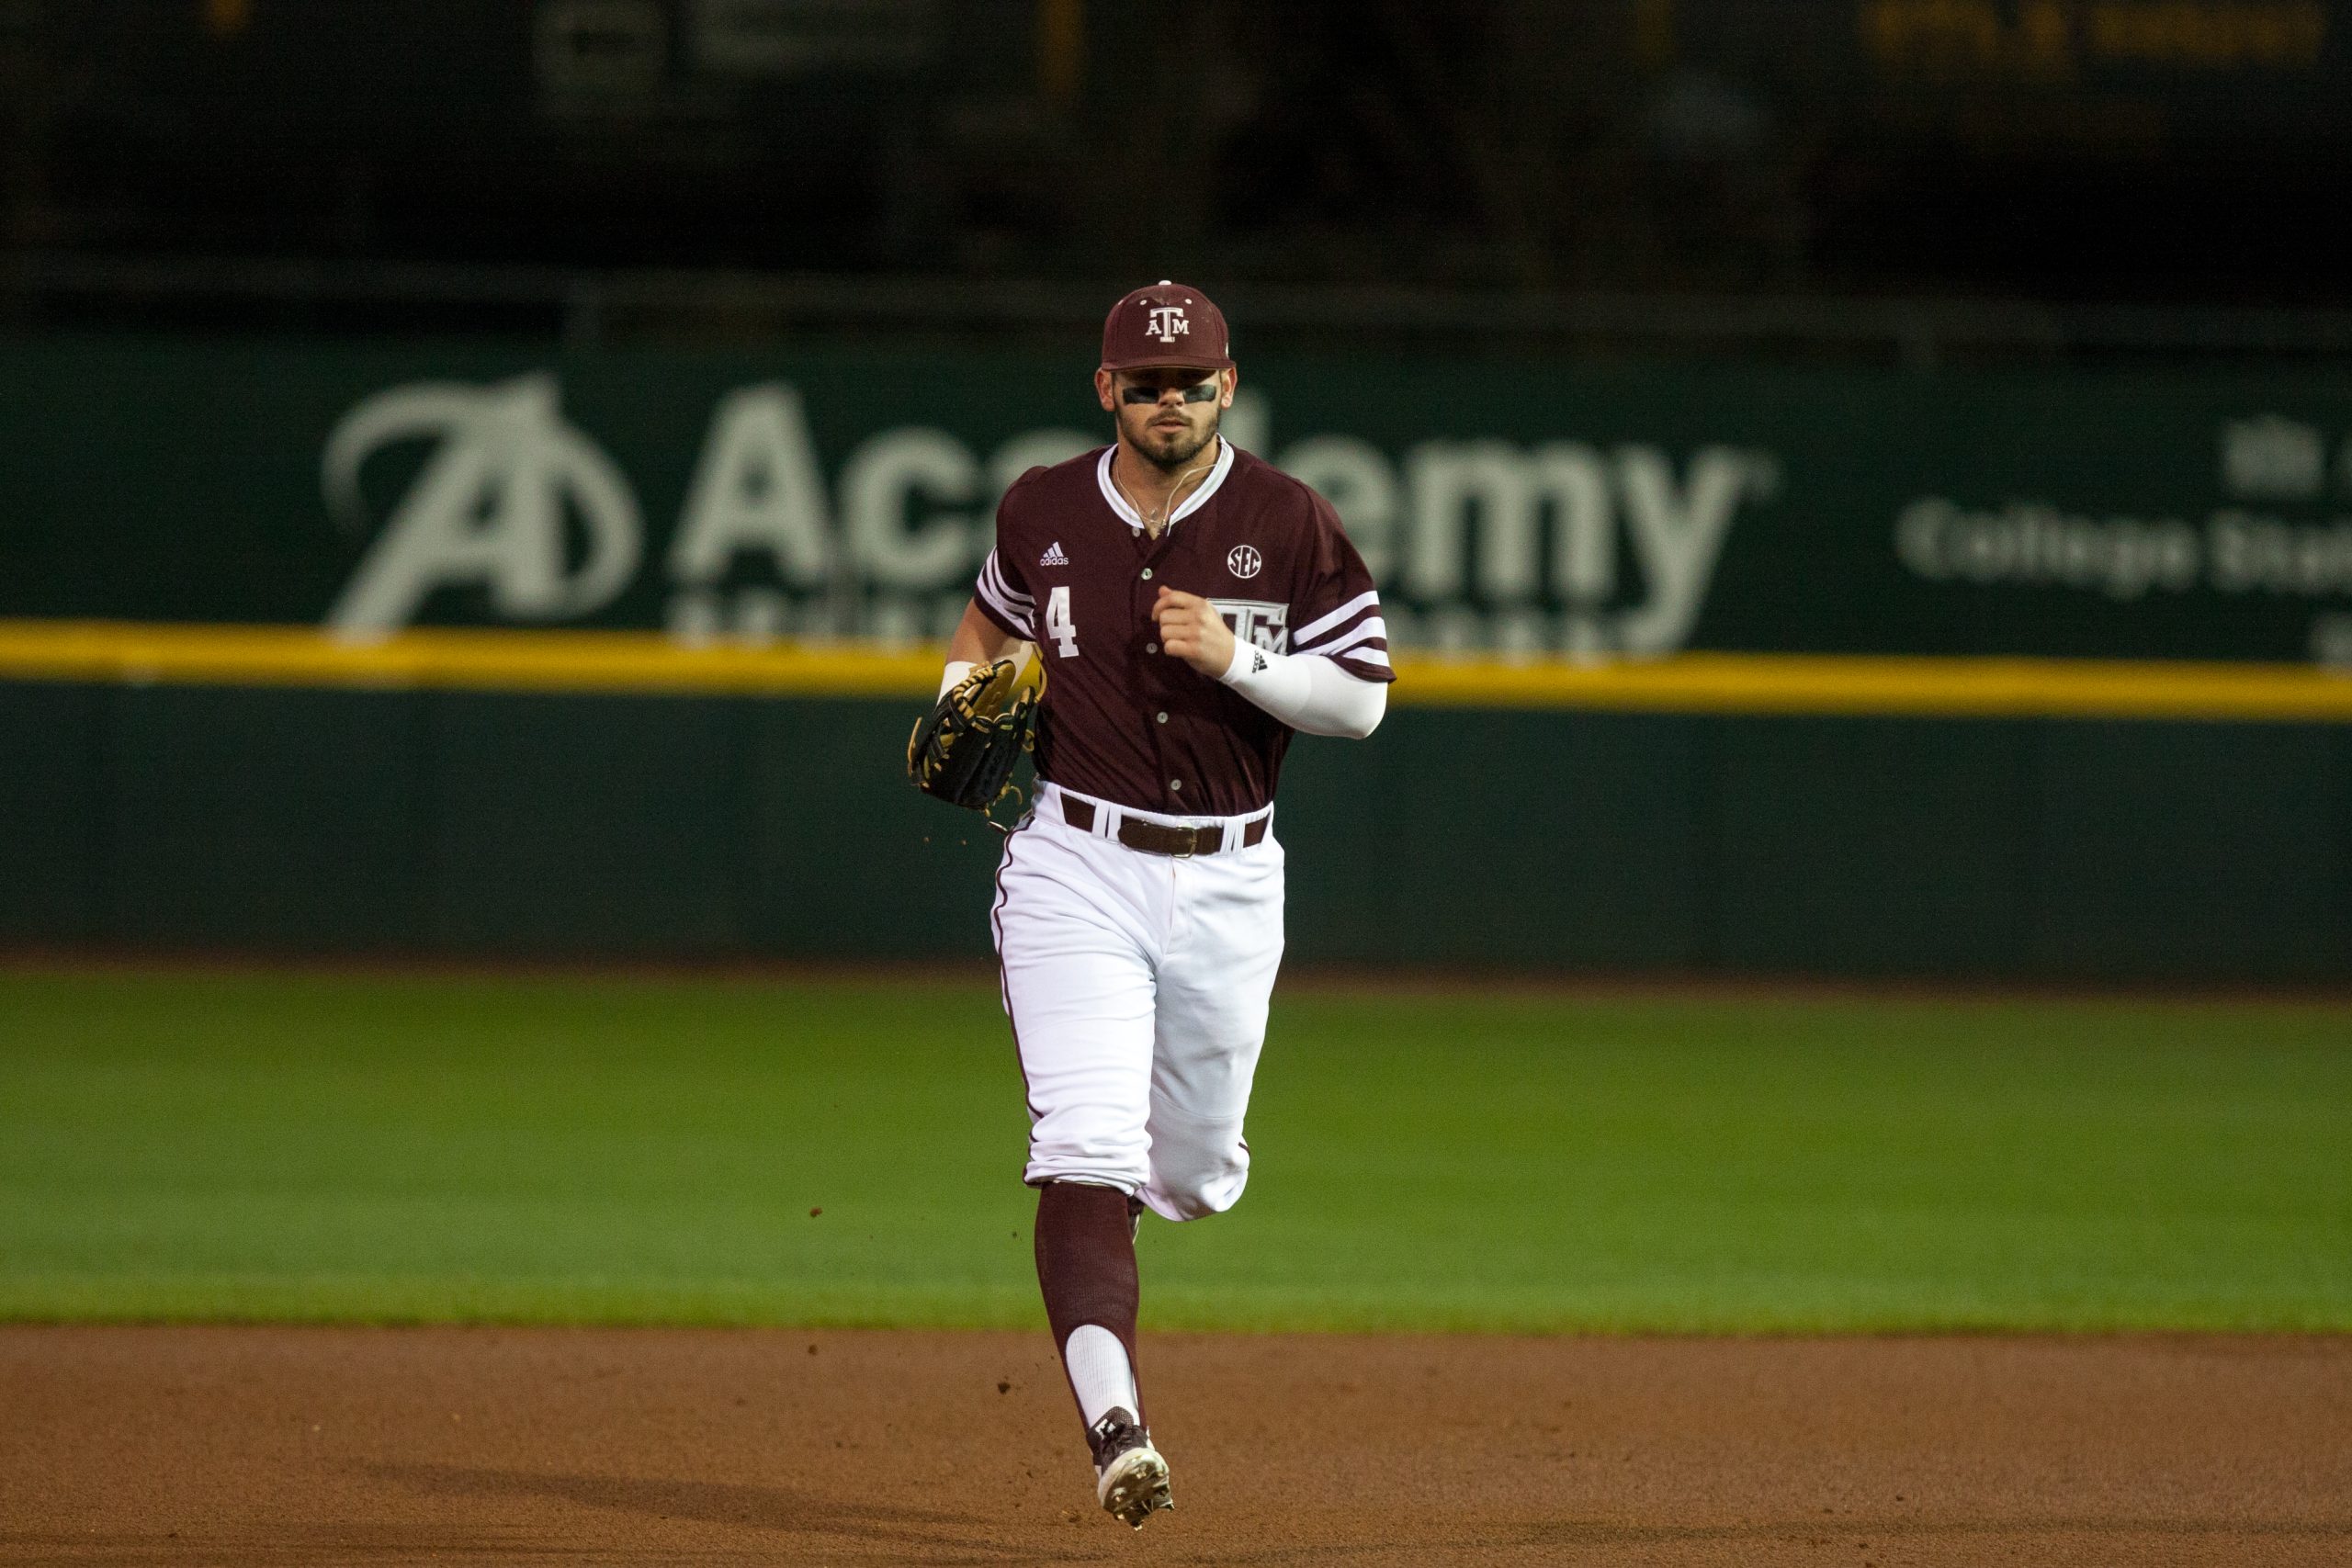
(477, 659)
(1818, 684)
(128, 652)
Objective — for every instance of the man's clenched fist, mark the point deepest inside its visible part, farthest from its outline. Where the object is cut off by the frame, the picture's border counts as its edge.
(1190, 629)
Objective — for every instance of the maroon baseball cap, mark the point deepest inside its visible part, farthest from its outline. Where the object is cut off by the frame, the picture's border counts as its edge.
(1167, 323)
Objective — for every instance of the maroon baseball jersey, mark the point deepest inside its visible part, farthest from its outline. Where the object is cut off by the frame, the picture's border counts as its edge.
(1074, 572)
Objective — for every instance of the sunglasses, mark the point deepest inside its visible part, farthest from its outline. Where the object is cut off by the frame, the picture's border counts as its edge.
(1199, 392)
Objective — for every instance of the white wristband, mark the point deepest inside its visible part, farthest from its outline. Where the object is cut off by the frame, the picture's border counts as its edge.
(1253, 670)
(956, 669)
(1306, 691)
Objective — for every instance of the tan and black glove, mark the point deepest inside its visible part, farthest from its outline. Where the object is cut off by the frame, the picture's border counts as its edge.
(964, 752)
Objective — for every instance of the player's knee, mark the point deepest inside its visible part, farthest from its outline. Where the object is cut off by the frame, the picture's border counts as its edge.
(1191, 1186)
(1088, 1156)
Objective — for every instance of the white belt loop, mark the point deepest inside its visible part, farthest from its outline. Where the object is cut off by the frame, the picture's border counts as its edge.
(1236, 828)
(1106, 819)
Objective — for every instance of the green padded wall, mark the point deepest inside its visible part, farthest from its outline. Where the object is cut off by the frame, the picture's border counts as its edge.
(54, 841)
(171, 818)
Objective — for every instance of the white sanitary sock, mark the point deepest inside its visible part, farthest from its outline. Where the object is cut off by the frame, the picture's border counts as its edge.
(1099, 1372)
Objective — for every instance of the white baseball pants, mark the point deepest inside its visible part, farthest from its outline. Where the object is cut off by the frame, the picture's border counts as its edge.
(1138, 987)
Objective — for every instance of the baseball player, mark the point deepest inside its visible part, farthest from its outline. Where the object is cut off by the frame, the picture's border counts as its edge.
(1193, 608)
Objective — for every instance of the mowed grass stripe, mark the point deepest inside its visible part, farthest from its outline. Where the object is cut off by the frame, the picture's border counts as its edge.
(309, 1147)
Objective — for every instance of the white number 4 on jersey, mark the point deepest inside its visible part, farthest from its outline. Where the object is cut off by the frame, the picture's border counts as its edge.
(1059, 625)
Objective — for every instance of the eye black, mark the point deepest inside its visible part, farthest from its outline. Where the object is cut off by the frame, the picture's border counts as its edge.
(1198, 392)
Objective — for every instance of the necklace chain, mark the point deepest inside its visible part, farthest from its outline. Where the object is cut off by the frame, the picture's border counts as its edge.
(1154, 523)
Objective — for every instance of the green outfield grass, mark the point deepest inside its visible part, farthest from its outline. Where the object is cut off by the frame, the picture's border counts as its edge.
(398, 1149)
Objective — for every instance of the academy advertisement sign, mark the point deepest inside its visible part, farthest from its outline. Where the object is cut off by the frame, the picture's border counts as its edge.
(1529, 512)
(518, 506)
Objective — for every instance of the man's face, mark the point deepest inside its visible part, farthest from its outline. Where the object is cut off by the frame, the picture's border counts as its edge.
(1167, 414)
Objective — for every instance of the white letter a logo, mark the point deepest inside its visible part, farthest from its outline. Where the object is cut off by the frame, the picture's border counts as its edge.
(489, 508)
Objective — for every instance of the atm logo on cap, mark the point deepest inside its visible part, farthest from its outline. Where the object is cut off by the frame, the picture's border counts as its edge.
(1168, 322)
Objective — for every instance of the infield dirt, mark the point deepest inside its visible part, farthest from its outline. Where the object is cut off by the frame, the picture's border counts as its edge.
(222, 1445)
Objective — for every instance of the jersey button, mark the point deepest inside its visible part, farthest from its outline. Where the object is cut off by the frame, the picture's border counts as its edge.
(1176, 784)
(1147, 574)
(1160, 717)
(1151, 648)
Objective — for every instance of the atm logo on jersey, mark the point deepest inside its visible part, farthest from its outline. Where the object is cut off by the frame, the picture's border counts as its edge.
(1258, 621)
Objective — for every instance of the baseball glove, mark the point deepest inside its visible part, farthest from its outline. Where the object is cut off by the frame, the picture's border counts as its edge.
(963, 752)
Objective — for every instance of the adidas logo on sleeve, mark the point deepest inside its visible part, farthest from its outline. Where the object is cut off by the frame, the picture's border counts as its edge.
(1053, 556)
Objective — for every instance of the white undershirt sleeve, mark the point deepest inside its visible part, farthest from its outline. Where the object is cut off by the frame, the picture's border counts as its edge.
(1308, 693)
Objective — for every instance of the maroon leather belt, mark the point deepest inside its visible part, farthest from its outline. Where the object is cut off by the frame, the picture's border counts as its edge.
(1157, 839)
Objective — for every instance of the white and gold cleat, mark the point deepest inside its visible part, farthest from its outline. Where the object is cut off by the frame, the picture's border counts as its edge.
(1131, 1478)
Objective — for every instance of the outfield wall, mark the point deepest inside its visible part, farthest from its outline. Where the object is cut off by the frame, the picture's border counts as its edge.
(443, 820)
(510, 648)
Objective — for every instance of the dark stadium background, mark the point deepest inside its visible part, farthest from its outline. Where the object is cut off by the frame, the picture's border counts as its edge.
(2189, 155)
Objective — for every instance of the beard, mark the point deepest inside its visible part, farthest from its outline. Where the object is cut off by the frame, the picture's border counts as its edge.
(1170, 450)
